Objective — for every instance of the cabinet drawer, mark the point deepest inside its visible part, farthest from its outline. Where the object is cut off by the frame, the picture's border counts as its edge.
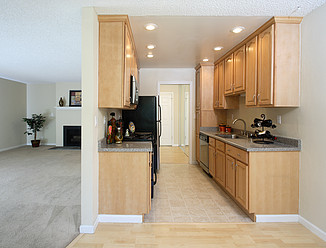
(237, 153)
(211, 141)
(220, 145)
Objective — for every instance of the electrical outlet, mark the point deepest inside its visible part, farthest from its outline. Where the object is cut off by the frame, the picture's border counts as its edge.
(279, 119)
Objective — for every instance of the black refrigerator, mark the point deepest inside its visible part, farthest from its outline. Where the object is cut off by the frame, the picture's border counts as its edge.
(147, 119)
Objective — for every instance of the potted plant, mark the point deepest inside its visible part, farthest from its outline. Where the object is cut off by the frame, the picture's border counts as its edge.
(35, 124)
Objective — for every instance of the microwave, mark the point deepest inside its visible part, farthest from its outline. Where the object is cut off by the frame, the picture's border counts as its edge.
(133, 90)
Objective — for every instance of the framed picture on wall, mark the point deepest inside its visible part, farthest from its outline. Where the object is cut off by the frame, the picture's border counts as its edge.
(75, 98)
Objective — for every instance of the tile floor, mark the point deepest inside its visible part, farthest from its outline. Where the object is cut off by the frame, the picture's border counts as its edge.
(184, 193)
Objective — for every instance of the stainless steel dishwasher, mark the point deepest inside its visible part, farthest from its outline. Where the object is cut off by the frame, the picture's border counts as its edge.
(203, 151)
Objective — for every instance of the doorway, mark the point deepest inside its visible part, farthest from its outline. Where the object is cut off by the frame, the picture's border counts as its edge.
(167, 106)
(175, 103)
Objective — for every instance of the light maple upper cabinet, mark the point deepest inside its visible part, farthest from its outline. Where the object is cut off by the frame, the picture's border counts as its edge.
(251, 71)
(220, 100)
(228, 75)
(265, 66)
(117, 62)
(239, 70)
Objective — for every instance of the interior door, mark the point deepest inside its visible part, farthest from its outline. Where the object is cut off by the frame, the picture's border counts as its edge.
(166, 102)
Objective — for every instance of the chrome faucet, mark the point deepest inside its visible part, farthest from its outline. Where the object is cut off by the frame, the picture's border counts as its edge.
(244, 125)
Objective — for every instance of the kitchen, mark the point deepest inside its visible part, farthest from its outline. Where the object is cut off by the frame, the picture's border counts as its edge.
(114, 92)
(270, 113)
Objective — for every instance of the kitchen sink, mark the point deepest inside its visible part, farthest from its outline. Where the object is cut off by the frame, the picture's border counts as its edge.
(228, 136)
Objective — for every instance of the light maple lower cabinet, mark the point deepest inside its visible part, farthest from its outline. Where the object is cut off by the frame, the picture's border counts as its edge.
(124, 183)
(220, 167)
(260, 182)
(241, 183)
(230, 175)
(211, 157)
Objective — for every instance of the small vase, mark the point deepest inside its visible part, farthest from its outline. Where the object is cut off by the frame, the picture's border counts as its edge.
(61, 102)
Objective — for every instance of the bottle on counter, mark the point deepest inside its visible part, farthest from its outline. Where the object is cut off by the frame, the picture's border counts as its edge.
(112, 129)
(118, 136)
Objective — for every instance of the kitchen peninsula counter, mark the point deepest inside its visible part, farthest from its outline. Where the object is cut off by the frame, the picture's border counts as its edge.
(247, 144)
(143, 146)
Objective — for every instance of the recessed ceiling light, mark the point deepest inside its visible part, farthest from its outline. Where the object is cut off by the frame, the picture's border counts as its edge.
(238, 29)
(151, 46)
(205, 60)
(150, 55)
(218, 48)
(151, 26)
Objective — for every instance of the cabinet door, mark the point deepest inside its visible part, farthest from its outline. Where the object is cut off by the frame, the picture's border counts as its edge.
(241, 185)
(230, 174)
(221, 84)
(128, 67)
(265, 66)
(216, 88)
(239, 70)
(198, 89)
(211, 161)
(220, 167)
(251, 72)
(228, 74)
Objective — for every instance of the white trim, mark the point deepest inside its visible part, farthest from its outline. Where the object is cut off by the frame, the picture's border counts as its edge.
(115, 218)
(89, 228)
(10, 148)
(175, 145)
(171, 94)
(277, 218)
(314, 229)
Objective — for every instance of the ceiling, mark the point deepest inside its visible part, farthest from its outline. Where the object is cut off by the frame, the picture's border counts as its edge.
(40, 41)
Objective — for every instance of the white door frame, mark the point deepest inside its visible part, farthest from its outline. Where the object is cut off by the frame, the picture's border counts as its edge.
(192, 113)
(172, 116)
(187, 103)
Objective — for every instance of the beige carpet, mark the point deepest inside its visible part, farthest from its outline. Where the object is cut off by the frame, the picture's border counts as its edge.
(40, 197)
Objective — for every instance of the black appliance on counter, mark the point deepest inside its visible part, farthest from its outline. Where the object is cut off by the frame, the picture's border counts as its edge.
(147, 120)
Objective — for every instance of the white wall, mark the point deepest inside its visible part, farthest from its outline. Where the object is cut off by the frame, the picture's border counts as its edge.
(66, 116)
(306, 122)
(91, 117)
(311, 119)
(41, 100)
(12, 110)
(149, 79)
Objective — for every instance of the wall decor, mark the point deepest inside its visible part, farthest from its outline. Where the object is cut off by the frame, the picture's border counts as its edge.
(75, 98)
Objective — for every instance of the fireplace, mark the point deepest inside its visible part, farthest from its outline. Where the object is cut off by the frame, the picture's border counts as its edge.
(72, 136)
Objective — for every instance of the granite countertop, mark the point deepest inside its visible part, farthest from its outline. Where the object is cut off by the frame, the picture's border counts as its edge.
(247, 144)
(127, 146)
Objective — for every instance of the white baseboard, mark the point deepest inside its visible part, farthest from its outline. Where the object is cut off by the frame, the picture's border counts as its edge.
(89, 228)
(115, 218)
(277, 218)
(175, 145)
(12, 147)
(314, 229)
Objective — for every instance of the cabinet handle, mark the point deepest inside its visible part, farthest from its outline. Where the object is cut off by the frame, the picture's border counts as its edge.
(258, 96)
(253, 97)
